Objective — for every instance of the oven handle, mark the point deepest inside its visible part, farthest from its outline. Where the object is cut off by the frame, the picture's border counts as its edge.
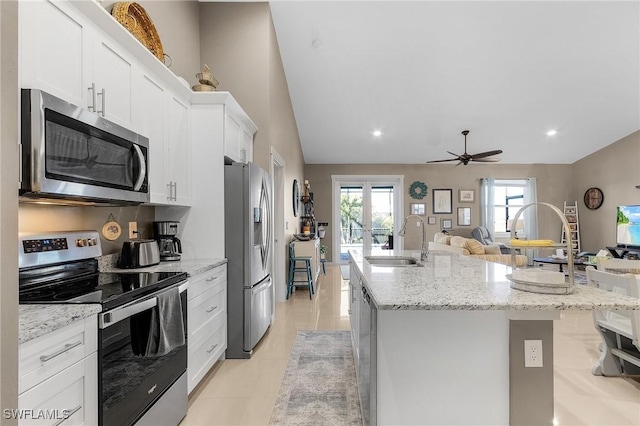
(114, 316)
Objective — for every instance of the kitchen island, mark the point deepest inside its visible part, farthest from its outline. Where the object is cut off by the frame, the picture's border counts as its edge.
(446, 341)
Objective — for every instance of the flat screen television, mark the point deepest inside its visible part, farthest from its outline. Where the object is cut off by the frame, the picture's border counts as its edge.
(628, 226)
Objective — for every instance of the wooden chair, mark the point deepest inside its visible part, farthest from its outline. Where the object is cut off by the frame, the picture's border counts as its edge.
(620, 330)
(293, 268)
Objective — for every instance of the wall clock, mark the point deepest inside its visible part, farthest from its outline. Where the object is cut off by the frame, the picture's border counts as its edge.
(418, 190)
(593, 198)
(296, 197)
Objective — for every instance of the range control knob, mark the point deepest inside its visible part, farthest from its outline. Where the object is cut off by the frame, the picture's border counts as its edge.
(92, 242)
(81, 242)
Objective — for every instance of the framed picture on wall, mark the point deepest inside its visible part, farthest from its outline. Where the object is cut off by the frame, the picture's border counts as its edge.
(447, 223)
(419, 208)
(432, 220)
(442, 203)
(466, 196)
(464, 216)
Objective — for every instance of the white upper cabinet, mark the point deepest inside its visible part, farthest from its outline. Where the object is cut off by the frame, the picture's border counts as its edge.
(178, 154)
(148, 114)
(238, 138)
(55, 51)
(112, 76)
(237, 133)
(163, 118)
(63, 54)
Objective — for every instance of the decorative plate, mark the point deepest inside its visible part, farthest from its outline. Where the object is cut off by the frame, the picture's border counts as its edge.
(111, 230)
(418, 190)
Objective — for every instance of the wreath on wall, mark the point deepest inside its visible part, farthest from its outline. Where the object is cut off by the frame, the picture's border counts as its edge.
(418, 190)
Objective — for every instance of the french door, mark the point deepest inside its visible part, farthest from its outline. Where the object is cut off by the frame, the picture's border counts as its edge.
(367, 213)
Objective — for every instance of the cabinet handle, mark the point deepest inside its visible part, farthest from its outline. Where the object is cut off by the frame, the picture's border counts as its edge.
(69, 414)
(102, 96)
(92, 89)
(66, 348)
(170, 196)
(212, 348)
(175, 191)
(212, 309)
(212, 279)
(243, 153)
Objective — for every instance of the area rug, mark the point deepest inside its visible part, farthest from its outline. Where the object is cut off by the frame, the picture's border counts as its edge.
(319, 385)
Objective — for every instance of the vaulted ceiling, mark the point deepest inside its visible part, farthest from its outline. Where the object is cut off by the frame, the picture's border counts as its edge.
(422, 71)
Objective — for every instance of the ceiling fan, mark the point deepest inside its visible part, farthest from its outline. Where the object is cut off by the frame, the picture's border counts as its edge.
(465, 158)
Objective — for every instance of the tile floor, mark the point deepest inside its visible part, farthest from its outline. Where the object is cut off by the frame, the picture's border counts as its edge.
(243, 392)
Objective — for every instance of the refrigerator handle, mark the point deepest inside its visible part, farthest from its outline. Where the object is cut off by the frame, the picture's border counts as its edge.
(264, 285)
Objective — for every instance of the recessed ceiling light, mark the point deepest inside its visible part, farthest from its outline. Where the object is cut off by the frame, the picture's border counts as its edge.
(377, 133)
(551, 133)
(316, 43)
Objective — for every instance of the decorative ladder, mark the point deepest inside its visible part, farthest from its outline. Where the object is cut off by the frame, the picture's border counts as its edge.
(571, 214)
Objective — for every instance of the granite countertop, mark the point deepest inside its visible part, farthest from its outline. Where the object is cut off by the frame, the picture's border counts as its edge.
(450, 281)
(38, 320)
(190, 266)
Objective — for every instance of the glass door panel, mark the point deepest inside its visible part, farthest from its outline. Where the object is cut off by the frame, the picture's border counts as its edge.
(351, 219)
(382, 217)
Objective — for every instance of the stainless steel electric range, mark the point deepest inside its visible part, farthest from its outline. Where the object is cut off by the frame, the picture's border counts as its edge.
(136, 384)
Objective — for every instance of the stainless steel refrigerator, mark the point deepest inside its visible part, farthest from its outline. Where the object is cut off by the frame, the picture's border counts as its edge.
(248, 225)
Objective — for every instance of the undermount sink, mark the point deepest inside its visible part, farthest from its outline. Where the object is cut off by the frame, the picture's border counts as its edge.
(392, 261)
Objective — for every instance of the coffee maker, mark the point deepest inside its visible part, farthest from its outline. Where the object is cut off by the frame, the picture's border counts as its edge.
(170, 246)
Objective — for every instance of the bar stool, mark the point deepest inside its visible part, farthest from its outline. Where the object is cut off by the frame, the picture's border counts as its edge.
(293, 268)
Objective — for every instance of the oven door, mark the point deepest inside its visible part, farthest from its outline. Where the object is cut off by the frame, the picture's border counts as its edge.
(130, 380)
(72, 153)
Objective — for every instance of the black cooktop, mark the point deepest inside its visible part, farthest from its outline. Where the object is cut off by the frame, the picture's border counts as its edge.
(80, 282)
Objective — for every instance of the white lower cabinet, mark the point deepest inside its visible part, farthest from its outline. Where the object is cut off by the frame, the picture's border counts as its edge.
(59, 376)
(312, 249)
(207, 322)
(355, 288)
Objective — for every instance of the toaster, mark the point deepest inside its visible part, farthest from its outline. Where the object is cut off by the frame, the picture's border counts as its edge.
(139, 253)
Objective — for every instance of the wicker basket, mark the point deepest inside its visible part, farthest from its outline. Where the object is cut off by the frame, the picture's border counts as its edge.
(134, 18)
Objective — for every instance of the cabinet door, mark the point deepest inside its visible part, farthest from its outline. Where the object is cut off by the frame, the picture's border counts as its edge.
(148, 113)
(232, 138)
(112, 74)
(54, 50)
(246, 144)
(179, 151)
(72, 393)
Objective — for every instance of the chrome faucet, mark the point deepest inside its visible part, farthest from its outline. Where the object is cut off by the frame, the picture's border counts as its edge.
(403, 231)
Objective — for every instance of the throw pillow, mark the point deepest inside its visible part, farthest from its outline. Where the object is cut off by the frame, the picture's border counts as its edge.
(459, 241)
(442, 238)
(474, 246)
(492, 249)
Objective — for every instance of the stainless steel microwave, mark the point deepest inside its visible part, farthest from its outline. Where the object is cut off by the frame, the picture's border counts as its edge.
(69, 153)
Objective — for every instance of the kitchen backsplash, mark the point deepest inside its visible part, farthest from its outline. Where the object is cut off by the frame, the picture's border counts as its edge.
(39, 217)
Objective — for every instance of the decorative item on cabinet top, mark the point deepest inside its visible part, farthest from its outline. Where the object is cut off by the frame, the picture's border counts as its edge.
(208, 82)
(134, 18)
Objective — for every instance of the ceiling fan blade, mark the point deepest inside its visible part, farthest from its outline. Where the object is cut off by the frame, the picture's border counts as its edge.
(486, 154)
(485, 160)
(455, 155)
(442, 161)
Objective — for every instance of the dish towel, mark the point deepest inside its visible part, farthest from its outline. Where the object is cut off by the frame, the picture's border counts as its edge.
(526, 243)
(167, 326)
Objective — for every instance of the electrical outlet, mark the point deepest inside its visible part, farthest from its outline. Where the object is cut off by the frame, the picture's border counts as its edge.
(133, 230)
(533, 353)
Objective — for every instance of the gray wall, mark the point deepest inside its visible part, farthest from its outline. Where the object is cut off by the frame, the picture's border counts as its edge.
(238, 42)
(614, 169)
(177, 24)
(8, 206)
(37, 218)
(554, 187)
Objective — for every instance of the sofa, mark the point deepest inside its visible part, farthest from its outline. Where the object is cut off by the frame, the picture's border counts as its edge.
(473, 248)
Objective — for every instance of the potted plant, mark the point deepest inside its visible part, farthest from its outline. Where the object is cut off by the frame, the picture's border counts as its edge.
(323, 251)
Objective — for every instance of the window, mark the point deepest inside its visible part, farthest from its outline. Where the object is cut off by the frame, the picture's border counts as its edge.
(508, 198)
(502, 199)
